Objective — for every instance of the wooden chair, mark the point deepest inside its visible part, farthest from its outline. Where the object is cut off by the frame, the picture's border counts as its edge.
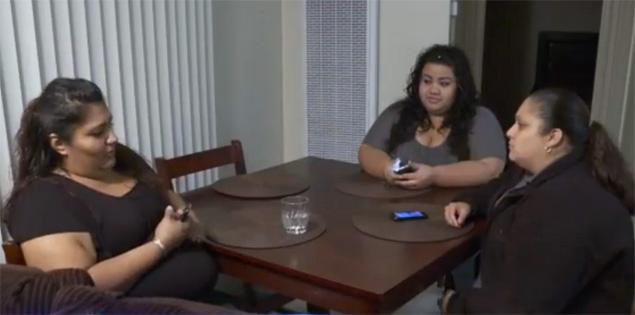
(169, 169)
(13, 253)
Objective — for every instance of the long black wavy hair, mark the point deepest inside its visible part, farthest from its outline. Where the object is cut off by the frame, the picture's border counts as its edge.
(60, 109)
(460, 116)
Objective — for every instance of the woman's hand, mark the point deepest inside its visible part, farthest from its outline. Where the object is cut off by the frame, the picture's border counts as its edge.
(389, 174)
(421, 178)
(197, 232)
(456, 213)
(171, 230)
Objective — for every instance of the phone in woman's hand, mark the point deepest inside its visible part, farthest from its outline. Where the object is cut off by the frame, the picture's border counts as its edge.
(402, 167)
(185, 212)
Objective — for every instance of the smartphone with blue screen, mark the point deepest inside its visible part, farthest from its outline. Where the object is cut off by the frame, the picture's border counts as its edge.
(409, 215)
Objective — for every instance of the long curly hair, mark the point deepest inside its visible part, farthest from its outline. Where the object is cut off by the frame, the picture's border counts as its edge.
(461, 114)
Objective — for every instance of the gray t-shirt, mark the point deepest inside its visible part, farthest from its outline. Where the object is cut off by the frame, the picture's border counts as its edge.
(485, 139)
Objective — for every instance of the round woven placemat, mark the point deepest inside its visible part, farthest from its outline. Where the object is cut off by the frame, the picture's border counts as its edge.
(380, 224)
(259, 227)
(262, 185)
(363, 185)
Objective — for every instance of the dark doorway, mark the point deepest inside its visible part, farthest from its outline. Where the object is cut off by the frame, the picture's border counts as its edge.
(516, 61)
(567, 60)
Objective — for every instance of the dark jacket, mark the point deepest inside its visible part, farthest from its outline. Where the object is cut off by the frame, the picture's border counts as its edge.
(561, 244)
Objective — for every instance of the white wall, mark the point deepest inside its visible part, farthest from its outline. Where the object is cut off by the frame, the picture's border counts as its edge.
(248, 76)
(407, 27)
(628, 126)
(614, 89)
(293, 79)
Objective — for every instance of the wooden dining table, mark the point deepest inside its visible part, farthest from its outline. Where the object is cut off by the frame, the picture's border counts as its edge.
(343, 269)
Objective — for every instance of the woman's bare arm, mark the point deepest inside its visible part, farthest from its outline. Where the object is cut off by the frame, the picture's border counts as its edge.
(76, 250)
(373, 161)
(119, 273)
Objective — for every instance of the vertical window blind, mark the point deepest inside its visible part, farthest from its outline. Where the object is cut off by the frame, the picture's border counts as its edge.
(152, 59)
(336, 82)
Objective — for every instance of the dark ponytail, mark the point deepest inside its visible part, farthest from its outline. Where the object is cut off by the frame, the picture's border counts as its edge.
(566, 111)
(608, 166)
(34, 155)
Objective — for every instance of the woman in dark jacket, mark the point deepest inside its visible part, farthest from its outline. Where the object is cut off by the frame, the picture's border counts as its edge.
(560, 237)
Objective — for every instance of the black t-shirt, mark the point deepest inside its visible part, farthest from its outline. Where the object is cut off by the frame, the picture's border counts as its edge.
(56, 204)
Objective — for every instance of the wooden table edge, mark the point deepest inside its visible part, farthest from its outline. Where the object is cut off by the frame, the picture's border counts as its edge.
(336, 296)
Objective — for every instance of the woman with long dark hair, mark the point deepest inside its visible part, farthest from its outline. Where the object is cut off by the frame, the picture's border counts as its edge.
(81, 200)
(439, 127)
(560, 236)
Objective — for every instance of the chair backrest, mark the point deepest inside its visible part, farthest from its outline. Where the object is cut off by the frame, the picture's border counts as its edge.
(13, 253)
(200, 161)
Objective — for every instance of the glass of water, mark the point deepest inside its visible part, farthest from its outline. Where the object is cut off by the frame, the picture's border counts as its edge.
(295, 214)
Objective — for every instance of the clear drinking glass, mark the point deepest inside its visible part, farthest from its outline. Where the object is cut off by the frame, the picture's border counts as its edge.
(295, 214)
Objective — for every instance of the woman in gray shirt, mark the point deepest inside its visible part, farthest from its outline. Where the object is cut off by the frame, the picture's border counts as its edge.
(439, 127)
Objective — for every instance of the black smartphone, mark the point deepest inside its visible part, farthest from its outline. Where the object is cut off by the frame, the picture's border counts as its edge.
(402, 167)
(409, 215)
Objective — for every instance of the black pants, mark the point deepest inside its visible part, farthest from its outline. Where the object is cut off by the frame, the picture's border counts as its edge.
(188, 272)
